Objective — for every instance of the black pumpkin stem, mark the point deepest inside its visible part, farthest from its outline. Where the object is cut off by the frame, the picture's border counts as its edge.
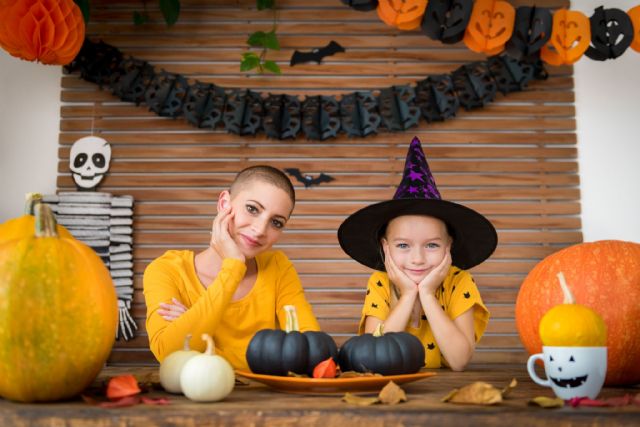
(379, 331)
(45, 221)
(291, 323)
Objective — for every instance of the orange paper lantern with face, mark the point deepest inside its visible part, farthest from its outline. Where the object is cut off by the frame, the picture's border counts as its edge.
(569, 39)
(634, 14)
(402, 14)
(48, 31)
(490, 26)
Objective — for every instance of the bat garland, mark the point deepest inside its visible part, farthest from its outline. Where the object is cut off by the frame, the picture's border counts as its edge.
(316, 55)
(246, 112)
(308, 180)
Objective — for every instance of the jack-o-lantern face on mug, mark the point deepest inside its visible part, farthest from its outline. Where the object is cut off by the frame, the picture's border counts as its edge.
(569, 39)
(490, 26)
(446, 20)
(403, 14)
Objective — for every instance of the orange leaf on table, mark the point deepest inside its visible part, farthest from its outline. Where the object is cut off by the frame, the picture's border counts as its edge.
(122, 386)
(325, 369)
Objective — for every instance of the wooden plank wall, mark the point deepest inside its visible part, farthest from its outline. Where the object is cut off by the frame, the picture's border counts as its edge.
(514, 161)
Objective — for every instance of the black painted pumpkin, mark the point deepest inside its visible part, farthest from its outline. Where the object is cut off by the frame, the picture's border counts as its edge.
(394, 353)
(278, 352)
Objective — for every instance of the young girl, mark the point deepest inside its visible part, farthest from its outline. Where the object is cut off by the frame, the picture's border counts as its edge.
(235, 287)
(420, 245)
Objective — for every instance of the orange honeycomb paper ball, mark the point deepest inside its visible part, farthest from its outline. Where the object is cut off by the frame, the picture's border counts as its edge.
(48, 31)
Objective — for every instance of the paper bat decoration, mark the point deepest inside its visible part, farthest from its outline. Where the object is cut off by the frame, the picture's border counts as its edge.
(308, 180)
(317, 54)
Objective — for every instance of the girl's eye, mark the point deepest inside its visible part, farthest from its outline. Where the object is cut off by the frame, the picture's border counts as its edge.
(252, 209)
(402, 246)
(432, 246)
(277, 224)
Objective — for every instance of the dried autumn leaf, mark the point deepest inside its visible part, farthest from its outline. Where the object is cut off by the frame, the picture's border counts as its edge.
(122, 402)
(392, 394)
(155, 400)
(293, 374)
(353, 399)
(505, 391)
(478, 393)
(547, 402)
(122, 386)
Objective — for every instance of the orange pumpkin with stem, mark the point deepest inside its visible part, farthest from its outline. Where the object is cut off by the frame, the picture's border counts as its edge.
(25, 225)
(605, 276)
(58, 314)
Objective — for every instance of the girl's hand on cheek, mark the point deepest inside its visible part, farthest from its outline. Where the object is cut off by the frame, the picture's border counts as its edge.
(432, 281)
(221, 240)
(397, 276)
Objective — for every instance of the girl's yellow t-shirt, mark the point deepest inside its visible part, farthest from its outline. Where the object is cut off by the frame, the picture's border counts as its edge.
(232, 324)
(457, 294)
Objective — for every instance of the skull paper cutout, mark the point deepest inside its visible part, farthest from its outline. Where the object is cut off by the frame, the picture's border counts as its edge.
(89, 161)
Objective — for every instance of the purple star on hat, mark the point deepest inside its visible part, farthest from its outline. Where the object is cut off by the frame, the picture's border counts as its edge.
(417, 179)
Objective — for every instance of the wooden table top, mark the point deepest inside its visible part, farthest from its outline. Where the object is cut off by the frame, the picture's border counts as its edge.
(257, 405)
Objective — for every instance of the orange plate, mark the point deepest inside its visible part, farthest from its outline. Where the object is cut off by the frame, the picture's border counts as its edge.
(331, 385)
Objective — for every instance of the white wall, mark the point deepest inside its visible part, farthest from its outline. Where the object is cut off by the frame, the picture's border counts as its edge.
(608, 105)
(607, 95)
(29, 127)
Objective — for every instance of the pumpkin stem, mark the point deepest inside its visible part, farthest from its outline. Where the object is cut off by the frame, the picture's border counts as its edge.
(379, 331)
(211, 347)
(30, 200)
(187, 338)
(292, 319)
(45, 221)
(568, 296)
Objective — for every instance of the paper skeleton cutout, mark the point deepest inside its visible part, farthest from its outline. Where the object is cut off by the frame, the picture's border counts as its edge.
(89, 161)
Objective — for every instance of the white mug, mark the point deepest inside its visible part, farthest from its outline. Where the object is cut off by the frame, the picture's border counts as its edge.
(571, 371)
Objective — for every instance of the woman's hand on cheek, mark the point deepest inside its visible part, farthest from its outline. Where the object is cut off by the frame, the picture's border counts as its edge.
(436, 276)
(397, 276)
(221, 240)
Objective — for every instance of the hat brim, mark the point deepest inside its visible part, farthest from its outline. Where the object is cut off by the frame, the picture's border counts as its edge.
(474, 238)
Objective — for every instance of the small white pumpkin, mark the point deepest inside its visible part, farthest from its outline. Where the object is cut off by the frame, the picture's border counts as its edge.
(172, 365)
(207, 377)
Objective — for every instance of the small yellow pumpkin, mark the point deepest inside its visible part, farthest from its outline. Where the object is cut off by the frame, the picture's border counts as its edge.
(571, 324)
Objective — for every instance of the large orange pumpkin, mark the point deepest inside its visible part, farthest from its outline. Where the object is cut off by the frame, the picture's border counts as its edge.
(605, 276)
(48, 31)
(58, 314)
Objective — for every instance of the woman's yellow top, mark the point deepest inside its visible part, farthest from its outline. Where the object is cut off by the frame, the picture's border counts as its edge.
(232, 324)
(457, 294)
